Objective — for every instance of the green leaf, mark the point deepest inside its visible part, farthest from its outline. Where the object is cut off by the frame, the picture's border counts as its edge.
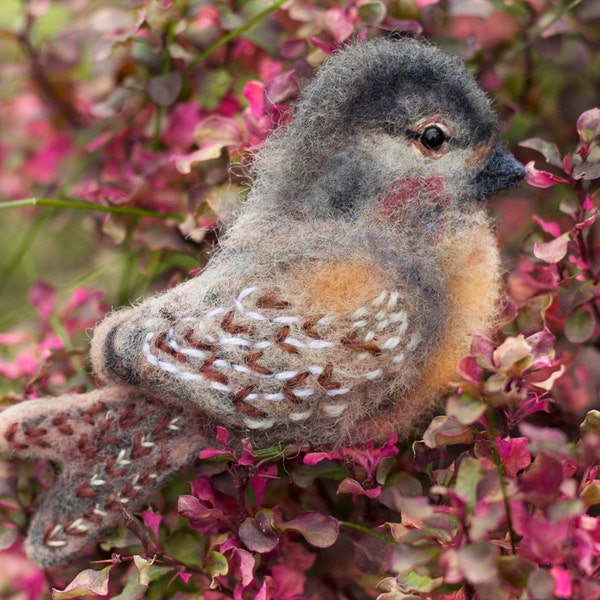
(165, 89)
(540, 585)
(478, 562)
(305, 475)
(591, 494)
(580, 326)
(415, 582)
(465, 409)
(547, 149)
(216, 564)
(515, 570)
(372, 12)
(470, 473)
(591, 423)
(446, 431)
(8, 535)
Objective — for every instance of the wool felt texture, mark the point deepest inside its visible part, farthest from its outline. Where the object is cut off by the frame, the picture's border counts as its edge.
(334, 311)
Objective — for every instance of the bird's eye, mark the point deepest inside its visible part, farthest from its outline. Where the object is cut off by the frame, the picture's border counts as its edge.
(433, 137)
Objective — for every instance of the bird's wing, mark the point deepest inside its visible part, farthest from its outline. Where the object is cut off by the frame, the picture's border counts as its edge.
(261, 359)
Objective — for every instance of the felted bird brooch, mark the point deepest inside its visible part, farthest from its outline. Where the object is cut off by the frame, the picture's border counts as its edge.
(334, 311)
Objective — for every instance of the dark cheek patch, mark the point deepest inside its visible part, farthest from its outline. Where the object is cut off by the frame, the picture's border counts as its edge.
(399, 200)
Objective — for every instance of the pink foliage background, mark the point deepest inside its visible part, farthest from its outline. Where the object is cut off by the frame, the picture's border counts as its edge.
(130, 125)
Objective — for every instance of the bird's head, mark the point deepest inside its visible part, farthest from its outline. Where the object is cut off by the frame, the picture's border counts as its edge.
(387, 125)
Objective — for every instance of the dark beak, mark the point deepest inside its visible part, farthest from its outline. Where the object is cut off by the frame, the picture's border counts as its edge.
(500, 172)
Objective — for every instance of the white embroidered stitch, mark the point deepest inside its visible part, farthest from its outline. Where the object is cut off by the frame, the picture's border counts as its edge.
(259, 423)
(334, 410)
(300, 416)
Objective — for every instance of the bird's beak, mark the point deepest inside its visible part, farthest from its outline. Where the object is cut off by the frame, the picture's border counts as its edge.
(500, 172)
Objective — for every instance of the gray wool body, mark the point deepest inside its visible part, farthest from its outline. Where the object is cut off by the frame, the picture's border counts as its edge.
(334, 311)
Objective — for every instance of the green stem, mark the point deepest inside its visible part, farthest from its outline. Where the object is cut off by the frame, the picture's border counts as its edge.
(500, 469)
(236, 32)
(81, 205)
(368, 531)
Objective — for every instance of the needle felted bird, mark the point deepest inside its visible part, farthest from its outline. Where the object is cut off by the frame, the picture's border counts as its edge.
(334, 311)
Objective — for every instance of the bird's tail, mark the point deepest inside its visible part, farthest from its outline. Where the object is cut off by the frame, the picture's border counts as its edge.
(112, 448)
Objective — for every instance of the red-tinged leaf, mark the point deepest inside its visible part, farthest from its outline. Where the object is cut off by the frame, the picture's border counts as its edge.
(212, 452)
(258, 482)
(563, 582)
(152, 520)
(243, 565)
(351, 486)
(165, 89)
(543, 379)
(542, 342)
(185, 577)
(514, 454)
(254, 92)
(326, 47)
(543, 435)
(588, 125)
(446, 431)
(580, 326)
(314, 458)
(553, 251)
(588, 205)
(87, 583)
(547, 149)
(567, 164)
(282, 87)
(589, 220)
(222, 436)
(199, 513)
(294, 49)
(42, 296)
(319, 530)
(338, 24)
(482, 348)
(469, 369)
(257, 533)
(550, 227)
(541, 179)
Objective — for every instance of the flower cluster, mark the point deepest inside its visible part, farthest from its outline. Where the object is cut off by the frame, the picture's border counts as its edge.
(125, 138)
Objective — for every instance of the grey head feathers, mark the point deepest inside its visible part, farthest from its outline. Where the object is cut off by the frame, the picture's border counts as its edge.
(369, 96)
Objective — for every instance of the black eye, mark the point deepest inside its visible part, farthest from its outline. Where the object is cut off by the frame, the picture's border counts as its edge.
(433, 137)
